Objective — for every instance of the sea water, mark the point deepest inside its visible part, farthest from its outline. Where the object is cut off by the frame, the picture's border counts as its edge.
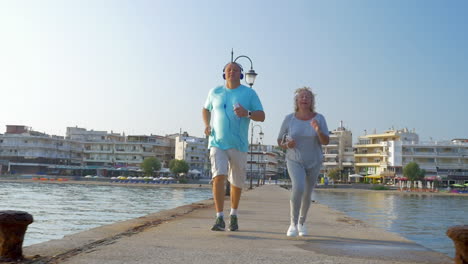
(62, 209)
(422, 218)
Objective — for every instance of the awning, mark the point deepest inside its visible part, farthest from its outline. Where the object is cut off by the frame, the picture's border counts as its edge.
(401, 178)
(387, 174)
(374, 176)
(432, 178)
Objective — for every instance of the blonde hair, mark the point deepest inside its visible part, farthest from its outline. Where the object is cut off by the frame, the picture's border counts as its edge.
(312, 96)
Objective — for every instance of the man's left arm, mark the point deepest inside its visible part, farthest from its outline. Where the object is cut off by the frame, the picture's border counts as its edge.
(258, 116)
(257, 113)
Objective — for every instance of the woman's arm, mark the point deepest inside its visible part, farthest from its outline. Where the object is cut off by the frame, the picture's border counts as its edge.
(323, 138)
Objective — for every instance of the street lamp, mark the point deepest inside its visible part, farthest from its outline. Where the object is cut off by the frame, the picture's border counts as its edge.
(251, 74)
(251, 149)
(265, 164)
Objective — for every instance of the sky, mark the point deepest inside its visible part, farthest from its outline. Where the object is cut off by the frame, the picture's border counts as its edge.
(145, 67)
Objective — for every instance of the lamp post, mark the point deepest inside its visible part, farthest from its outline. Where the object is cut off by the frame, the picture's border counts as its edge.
(251, 74)
(249, 79)
(251, 149)
(265, 160)
(259, 166)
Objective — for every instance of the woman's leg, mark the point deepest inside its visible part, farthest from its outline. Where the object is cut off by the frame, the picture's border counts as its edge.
(297, 174)
(310, 181)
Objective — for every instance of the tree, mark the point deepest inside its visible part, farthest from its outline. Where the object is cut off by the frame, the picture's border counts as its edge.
(178, 166)
(150, 165)
(334, 173)
(413, 172)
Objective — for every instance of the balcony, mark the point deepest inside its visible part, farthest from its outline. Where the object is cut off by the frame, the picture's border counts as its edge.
(370, 164)
(359, 145)
(128, 151)
(368, 155)
(108, 151)
(448, 154)
(93, 159)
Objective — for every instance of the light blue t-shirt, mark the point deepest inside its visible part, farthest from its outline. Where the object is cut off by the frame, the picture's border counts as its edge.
(227, 129)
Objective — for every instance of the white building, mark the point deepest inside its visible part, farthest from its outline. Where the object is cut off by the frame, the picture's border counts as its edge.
(447, 159)
(101, 148)
(27, 151)
(388, 153)
(265, 162)
(23, 150)
(339, 154)
(194, 151)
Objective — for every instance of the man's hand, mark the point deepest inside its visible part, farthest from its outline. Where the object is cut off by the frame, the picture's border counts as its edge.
(208, 130)
(240, 111)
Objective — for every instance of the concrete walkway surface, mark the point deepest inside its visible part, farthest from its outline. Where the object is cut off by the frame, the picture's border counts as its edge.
(183, 235)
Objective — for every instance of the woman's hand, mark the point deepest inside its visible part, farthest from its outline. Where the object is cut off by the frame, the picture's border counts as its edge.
(323, 138)
(291, 143)
(314, 123)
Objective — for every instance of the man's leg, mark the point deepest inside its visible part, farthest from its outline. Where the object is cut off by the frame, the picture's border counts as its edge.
(218, 197)
(219, 192)
(219, 169)
(235, 198)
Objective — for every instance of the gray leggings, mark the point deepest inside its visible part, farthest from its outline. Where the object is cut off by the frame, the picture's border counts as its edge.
(303, 183)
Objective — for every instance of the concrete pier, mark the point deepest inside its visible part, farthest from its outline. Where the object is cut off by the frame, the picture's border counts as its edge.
(183, 235)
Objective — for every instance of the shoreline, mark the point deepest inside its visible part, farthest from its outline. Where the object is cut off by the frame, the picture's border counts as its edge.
(391, 191)
(329, 188)
(109, 183)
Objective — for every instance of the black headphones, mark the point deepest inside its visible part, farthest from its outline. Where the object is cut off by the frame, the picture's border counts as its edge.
(240, 67)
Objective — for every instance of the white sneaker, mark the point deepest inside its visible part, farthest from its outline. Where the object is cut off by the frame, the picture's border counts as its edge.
(292, 231)
(302, 229)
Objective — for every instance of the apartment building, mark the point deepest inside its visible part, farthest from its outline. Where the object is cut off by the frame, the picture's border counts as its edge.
(379, 154)
(265, 162)
(24, 150)
(447, 160)
(101, 148)
(388, 153)
(339, 154)
(194, 151)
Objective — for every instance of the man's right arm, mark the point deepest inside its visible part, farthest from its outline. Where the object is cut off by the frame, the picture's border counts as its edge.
(206, 120)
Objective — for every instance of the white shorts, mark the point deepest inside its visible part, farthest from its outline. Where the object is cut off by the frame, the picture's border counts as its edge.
(230, 162)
